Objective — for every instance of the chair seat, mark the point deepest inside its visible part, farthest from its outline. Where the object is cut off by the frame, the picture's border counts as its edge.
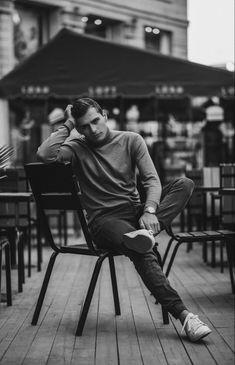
(82, 249)
(199, 235)
(226, 232)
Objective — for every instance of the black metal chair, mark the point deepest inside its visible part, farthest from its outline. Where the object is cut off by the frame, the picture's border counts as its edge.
(5, 246)
(15, 236)
(225, 236)
(55, 187)
(223, 204)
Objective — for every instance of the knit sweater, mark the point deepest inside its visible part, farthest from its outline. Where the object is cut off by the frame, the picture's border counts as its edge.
(107, 172)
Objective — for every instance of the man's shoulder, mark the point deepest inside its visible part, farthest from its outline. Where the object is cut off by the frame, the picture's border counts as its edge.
(126, 135)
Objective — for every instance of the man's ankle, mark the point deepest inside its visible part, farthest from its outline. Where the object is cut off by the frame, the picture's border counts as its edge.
(183, 315)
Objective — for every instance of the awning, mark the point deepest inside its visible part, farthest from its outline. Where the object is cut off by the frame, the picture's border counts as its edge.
(72, 65)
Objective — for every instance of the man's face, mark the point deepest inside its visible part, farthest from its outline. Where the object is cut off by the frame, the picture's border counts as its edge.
(92, 125)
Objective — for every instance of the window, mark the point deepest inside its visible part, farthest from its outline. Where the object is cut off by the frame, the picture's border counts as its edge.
(31, 28)
(157, 40)
(101, 27)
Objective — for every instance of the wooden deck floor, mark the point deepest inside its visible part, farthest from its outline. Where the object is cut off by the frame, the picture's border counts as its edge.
(136, 337)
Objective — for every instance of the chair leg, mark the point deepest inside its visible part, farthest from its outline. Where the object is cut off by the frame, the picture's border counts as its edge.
(90, 292)
(165, 315)
(204, 251)
(0, 272)
(44, 288)
(39, 241)
(172, 258)
(114, 286)
(167, 251)
(213, 253)
(8, 274)
(222, 257)
(29, 250)
(65, 229)
(230, 264)
(20, 252)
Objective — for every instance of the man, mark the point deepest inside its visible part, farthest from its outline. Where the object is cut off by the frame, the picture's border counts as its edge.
(105, 162)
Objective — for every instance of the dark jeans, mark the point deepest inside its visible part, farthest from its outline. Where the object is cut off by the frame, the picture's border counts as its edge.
(109, 228)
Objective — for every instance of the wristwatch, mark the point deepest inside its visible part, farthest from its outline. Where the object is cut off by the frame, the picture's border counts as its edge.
(150, 210)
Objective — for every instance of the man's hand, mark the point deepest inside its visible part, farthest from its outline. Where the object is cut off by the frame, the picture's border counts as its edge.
(150, 222)
(68, 114)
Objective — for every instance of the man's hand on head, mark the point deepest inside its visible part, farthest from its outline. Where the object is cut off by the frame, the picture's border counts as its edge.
(150, 222)
(68, 114)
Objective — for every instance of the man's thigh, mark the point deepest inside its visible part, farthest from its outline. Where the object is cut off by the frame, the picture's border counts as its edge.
(111, 231)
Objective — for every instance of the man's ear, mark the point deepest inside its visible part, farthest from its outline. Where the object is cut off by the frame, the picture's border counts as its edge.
(105, 115)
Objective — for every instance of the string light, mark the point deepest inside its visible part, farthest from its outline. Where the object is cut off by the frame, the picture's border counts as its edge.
(98, 22)
(156, 30)
(148, 29)
(84, 19)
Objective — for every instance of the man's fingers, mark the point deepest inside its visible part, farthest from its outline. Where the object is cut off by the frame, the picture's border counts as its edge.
(141, 224)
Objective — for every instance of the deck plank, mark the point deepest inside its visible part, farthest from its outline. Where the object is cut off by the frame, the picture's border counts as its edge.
(150, 346)
(128, 345)
(136, 337)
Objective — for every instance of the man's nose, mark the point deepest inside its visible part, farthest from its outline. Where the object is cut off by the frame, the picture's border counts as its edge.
(93, 128)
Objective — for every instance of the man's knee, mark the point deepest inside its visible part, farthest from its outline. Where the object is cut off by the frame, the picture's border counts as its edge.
(187, 184)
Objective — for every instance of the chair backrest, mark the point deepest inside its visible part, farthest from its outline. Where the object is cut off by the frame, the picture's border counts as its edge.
(196, 176)
(55, 186)
(195, 204)
(211, 177)
(8, 184)
(227, 180)
(11, 180)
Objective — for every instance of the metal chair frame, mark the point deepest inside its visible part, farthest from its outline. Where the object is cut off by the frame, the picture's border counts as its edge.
(55, 187)
(224, 236)
(4, 245)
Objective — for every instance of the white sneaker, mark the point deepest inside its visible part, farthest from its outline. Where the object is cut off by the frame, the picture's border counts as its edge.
(140, 240)
(194, 328)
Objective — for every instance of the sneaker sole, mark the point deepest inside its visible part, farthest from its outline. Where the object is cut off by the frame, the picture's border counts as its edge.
(200, 338)
(140, 243)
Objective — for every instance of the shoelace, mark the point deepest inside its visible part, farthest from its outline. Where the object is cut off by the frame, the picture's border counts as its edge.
(195, 321)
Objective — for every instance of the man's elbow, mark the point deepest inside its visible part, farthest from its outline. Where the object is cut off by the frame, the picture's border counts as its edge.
(42, 156)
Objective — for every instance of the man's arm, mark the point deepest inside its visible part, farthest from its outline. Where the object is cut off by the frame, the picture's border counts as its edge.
(52, 148)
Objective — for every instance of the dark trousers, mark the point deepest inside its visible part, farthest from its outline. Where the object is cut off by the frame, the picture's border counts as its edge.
(109, 228)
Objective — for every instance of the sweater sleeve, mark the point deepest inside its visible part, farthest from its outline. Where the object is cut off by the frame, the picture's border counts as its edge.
(52, 149)
(148, 174)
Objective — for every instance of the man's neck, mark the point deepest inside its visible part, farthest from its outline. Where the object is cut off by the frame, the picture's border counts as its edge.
(103, 142)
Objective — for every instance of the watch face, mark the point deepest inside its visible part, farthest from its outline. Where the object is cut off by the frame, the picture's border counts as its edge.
(150, 210)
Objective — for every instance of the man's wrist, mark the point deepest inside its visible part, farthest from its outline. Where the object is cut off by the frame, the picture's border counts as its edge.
(149, 209)
(69, 125)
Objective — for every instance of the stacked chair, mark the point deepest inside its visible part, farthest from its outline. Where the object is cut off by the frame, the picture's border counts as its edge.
(222, 232)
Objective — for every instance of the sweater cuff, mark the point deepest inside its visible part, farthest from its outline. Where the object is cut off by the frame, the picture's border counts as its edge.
(69, 125)
(150, 203)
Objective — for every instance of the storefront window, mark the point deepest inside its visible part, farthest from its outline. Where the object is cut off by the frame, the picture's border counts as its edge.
(157, 40)
(30, 31)
(101, 27)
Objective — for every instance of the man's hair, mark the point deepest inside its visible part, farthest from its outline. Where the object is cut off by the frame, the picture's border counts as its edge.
(80, 107)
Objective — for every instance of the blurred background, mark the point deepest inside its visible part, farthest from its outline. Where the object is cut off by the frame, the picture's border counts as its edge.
(161, 68)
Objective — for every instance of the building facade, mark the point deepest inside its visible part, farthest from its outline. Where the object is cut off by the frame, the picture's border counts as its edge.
(157, 25)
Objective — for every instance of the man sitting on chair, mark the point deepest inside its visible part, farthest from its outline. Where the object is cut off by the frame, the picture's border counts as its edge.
(105, 162)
